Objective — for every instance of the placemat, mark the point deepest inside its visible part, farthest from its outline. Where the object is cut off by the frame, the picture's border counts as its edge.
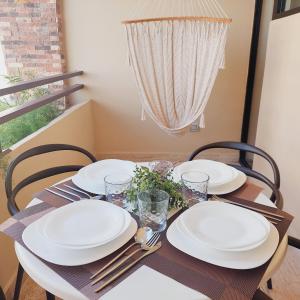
(213, 281)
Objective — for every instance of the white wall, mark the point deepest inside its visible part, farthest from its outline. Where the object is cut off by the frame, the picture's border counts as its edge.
(96, 43)
(278, 129)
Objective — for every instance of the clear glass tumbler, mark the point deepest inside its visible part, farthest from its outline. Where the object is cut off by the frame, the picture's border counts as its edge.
(116, 186)
(194, 186)
(153, 209)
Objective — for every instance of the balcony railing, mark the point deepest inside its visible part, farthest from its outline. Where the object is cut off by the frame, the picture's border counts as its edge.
(14, 112)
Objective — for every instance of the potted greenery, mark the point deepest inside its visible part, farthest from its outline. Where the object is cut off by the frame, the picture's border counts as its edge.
(147, 180)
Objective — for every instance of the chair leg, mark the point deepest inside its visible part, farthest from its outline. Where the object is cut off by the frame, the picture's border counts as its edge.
(260, 295)
(270, 284)
(18, 282)
(49, 296)
(2, 296)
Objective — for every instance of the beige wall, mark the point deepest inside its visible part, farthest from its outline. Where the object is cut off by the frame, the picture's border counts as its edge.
(278, 127)
(96, 43)
(73, 127)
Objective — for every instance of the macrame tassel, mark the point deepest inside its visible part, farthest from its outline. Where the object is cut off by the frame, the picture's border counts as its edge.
(143, 115)
(128, 50)
(222, 64)
(202, 121)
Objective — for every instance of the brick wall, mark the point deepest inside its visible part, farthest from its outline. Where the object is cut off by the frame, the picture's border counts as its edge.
(31, 36)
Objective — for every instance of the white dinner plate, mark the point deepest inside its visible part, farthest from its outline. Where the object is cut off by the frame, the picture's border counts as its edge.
(219, 173)
(224, 226)
(235, 260)
(42, 247)
(91, 177)
(229, 187)
(224, 179)
(84, 224)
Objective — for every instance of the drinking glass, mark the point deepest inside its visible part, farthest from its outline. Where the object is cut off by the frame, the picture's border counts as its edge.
(194, 186)
(116, 186)
(153, 209)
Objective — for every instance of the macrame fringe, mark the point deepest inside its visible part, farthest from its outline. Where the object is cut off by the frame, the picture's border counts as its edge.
(222, 65)
(202, 121)
(143, 115)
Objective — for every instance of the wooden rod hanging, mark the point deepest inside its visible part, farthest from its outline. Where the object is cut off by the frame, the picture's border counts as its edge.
(191, 18)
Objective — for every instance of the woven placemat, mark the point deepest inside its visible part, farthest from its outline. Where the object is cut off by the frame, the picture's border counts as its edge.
(213, 281)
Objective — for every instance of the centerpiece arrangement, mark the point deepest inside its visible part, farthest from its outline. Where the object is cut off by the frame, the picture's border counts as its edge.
(146, 179)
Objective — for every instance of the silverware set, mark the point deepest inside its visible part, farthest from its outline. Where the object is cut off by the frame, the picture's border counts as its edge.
(271, 217)
(148, 247)
(68, 193)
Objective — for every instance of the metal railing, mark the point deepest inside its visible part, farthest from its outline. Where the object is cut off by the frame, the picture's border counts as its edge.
(14, 112)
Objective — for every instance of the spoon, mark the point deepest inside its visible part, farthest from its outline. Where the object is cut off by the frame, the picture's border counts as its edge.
(141, 237)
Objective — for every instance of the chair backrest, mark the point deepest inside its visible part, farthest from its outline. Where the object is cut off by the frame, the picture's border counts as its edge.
(12, 192)
(274, 186)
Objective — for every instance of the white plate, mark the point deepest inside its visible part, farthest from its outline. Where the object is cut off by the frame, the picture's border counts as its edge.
(45, 249)
(219, 173)
(84, 224)
(224, 226)
(235, 178)
(229, 187)
(91, 177)
(235, 260)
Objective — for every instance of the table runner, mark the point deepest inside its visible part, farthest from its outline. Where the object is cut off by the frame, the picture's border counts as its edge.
(213, 281)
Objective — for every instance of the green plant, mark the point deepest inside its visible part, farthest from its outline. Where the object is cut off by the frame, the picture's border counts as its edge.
(15, 130)
(145, 180)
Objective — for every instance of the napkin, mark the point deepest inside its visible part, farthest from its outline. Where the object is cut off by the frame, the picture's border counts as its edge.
(148, 284)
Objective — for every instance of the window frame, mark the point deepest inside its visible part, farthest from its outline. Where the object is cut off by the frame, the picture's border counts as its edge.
(280, 12)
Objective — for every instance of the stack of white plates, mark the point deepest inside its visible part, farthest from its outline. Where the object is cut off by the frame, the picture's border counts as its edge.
(91, 177)
(225, 235)
(223, 179)
(80, 233)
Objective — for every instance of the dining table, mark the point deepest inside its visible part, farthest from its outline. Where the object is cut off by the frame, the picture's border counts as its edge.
(215, 282)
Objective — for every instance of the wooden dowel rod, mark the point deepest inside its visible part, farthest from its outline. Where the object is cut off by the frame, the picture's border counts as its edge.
(206, 19)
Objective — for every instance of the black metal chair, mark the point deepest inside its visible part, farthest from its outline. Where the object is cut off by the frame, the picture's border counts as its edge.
(2, 296)
(276, 196)
(11, 191)
(274, 186)
(260, 295)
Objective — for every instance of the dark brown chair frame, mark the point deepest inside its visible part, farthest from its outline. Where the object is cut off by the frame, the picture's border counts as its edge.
(2, 296)
(276, 196)
(12, 192)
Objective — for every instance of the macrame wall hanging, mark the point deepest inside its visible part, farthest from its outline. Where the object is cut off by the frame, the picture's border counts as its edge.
(176, 48)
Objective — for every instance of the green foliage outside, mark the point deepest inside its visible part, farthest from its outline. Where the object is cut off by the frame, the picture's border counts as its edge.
(15, 130)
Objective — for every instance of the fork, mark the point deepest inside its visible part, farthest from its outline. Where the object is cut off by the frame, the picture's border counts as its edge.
(272, 217)
(144, 247)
